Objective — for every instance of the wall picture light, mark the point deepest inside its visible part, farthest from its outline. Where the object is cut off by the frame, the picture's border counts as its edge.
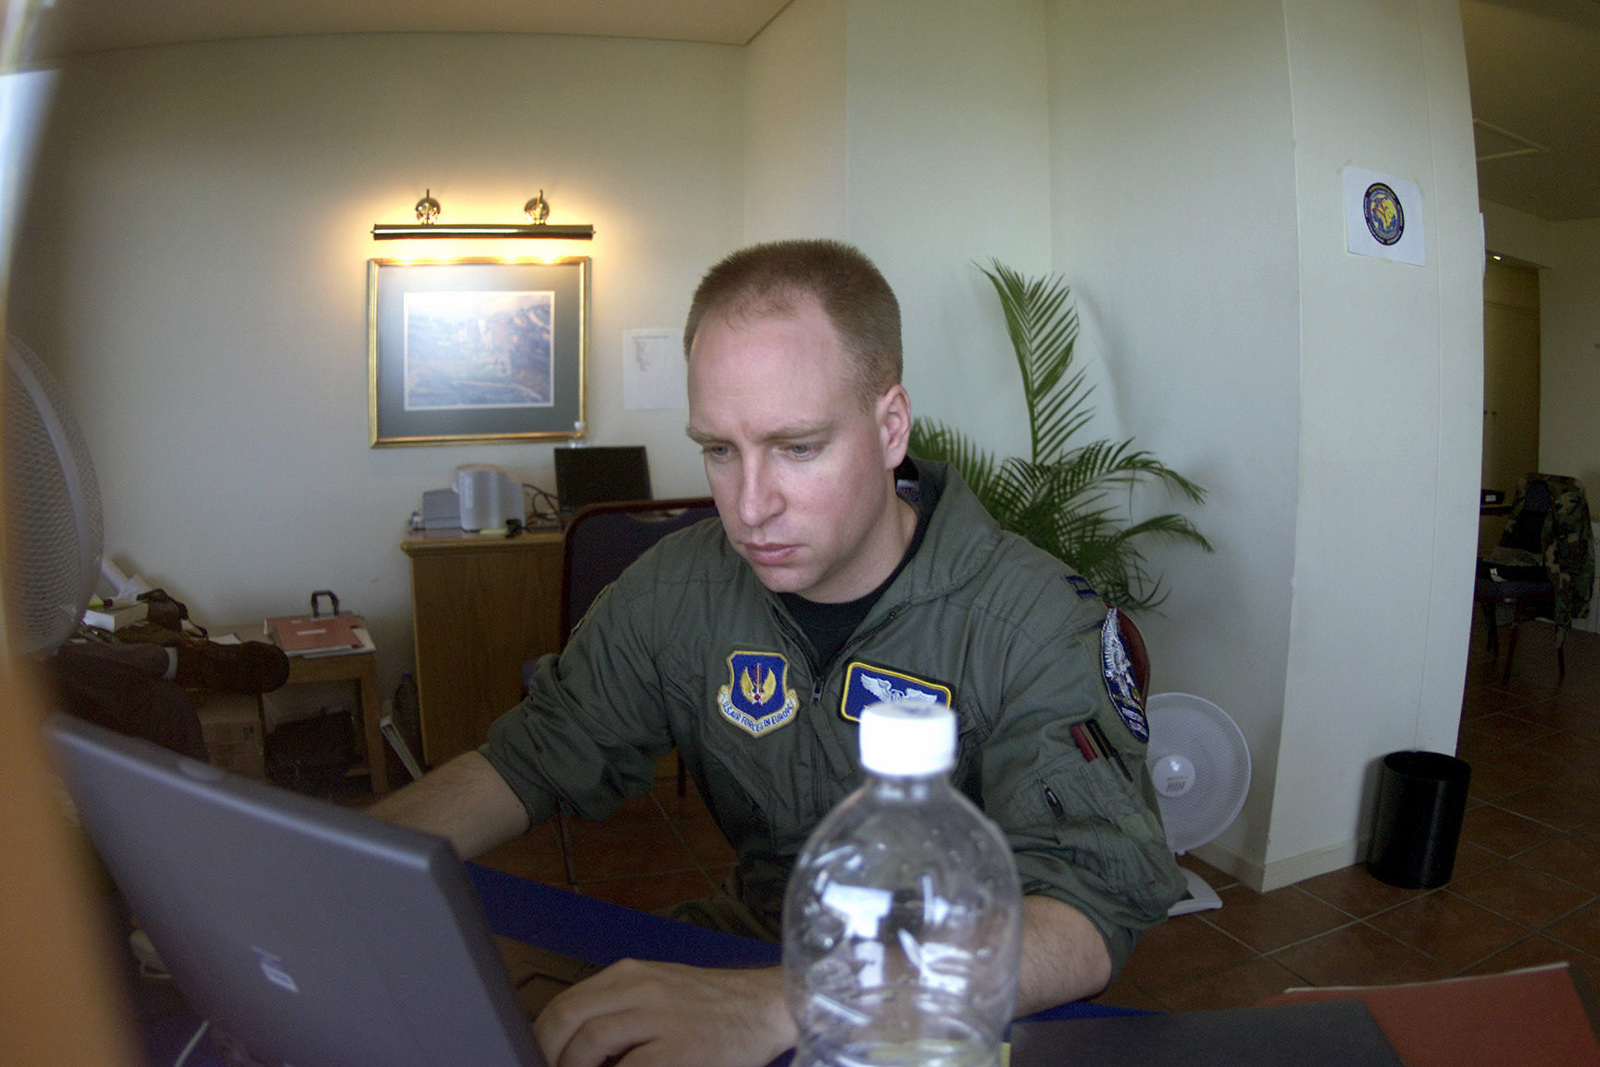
(536, 211)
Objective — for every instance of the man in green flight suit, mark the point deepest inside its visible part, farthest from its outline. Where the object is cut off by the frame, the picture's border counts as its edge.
(840, 573)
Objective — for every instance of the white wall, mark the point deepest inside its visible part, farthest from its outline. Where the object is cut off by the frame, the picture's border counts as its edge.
(194, 267)
(1175, 220)
(1198, 150)
(949, 166)
(917, 130)
(1392, 382)
(794, 125)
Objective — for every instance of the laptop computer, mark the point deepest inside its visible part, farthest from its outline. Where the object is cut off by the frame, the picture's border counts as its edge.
(313, 934)
(599, 474)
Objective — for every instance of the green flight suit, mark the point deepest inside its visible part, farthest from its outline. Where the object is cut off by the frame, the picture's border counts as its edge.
(688, 649)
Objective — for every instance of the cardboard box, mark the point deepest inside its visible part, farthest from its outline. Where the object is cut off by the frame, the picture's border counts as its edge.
(231, 726)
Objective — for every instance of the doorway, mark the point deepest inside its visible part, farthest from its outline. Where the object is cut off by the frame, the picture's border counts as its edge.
(1510, 384)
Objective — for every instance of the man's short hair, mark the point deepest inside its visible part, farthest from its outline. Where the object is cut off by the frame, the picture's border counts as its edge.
(775, 278)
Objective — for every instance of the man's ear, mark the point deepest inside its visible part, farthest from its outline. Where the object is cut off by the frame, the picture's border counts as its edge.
(893, 411)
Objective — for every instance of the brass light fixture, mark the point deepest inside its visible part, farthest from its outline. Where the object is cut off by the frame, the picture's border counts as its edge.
(536, 211)
(427, 209)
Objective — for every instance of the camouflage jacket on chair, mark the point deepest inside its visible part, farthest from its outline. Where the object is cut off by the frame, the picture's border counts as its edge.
(1549, 526)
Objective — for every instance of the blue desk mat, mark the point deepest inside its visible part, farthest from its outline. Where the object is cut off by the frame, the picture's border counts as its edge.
(597, 931)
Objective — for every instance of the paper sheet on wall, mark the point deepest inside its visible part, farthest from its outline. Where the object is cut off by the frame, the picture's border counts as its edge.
(1383, 216)
(654, 376)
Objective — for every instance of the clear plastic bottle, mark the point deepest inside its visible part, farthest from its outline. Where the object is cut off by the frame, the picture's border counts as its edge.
(902, 927)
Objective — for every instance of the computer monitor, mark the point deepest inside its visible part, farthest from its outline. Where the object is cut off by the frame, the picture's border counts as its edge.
(312, 933)
(598, 474)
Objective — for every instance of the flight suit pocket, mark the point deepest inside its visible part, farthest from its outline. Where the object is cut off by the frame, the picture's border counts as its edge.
(1085, 810)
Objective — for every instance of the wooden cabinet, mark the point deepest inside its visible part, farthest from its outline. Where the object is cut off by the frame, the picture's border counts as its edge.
(480, 607)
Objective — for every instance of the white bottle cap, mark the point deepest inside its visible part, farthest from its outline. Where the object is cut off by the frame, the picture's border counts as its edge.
(908, 738)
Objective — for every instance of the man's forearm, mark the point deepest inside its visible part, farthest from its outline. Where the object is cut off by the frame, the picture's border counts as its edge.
(465, 801)
(1064, 957)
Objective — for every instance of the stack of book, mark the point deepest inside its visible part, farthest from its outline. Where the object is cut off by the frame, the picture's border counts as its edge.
(113, 615)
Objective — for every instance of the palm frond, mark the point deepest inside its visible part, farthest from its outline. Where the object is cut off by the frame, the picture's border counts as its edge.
(1071, 500)
(941, 444)
(1043, 327)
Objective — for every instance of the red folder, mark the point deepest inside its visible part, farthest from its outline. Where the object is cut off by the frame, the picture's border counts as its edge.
(313, 635)
(1541, 1015)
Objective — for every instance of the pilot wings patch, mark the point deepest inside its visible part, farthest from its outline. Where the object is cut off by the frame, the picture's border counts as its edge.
(866, 685)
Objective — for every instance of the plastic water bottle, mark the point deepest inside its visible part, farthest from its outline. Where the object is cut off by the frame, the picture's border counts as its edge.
(902, 927)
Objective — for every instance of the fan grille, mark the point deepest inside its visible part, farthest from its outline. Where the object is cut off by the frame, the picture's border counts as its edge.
(1201, 732)
(53, 524)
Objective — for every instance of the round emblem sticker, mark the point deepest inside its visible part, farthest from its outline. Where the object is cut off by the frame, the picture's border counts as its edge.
(1385, 219)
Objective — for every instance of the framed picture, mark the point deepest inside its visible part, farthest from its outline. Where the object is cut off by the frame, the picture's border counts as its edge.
(467, 351)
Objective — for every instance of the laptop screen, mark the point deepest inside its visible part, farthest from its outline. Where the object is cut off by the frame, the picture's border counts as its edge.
(312, 933)
(596, 474)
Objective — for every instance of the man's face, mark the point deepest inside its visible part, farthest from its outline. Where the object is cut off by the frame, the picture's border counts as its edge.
(801, 473)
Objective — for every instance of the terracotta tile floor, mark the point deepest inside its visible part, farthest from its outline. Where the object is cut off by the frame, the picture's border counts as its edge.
(1525, 888)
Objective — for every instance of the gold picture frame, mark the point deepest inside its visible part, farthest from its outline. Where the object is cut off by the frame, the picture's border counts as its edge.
(476, 350)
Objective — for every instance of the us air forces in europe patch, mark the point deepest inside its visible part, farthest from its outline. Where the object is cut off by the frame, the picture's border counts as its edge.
(1118, 671)
(757, 698)
(865, 685)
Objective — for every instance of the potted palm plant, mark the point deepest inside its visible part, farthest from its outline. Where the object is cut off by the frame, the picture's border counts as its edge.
(1071, 498)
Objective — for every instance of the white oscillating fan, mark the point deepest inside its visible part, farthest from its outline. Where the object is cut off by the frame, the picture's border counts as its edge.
(52, 507)
(1201, 769)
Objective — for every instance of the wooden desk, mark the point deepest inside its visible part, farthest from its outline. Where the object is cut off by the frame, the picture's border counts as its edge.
(361, 668)
(480, 607)
(358, 667)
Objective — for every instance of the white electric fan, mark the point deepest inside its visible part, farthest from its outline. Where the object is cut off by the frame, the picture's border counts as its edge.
(52, 507)
(1200, 766)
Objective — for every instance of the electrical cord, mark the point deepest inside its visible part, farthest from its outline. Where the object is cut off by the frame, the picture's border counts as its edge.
(532, 496)
(193, 1041)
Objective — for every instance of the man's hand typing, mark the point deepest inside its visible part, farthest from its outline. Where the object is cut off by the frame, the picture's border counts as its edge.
(639, 1014)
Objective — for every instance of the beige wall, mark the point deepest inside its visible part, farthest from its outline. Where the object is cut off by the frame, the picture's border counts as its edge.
(1568, 257)
(194, 267)
(1570, 356)
(1510, 384)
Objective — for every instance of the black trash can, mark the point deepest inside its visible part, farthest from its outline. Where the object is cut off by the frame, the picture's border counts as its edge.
(1421, 799)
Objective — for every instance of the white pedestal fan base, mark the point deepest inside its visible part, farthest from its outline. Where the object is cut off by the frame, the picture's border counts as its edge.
(1201, 897)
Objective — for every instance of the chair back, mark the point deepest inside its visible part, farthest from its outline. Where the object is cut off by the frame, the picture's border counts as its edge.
(1528, 523)
(603, 539)
(1548, 532)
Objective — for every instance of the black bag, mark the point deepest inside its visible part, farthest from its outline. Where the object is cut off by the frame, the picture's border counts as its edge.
(312, 755)
(167, 613)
